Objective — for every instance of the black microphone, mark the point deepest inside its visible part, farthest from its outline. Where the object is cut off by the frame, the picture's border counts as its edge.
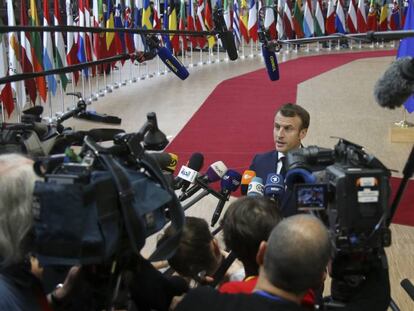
(409, 288)
(195, 163)
(396, 85)
(225, 35)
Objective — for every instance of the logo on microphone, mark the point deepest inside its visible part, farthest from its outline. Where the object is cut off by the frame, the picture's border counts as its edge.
(275, 179)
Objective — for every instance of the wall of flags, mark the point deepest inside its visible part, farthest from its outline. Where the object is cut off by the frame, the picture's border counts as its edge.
(27, 52)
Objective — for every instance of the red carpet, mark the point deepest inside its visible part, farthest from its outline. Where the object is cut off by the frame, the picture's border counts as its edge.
(236, 120)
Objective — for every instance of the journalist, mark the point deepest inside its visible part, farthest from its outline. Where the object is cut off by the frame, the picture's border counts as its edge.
(291, 125)
(294, 259)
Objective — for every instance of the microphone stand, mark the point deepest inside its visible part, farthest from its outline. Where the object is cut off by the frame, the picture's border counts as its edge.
(207, 191)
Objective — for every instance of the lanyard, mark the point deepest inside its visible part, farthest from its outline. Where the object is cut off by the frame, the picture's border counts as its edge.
(267, 295)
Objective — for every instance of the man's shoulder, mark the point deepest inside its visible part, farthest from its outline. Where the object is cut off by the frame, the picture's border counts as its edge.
(265, 155)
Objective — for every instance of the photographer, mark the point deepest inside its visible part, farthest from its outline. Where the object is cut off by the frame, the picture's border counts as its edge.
(294, 259)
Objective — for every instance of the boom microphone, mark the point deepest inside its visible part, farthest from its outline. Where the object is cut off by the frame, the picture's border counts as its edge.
(396, 85)
(172, 63)
(247, 177)
(274, 187)
(229, 183)
(226, 36)
(270, 60)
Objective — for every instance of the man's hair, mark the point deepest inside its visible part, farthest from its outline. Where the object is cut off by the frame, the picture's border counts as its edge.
(17, 180)
(292, 110)
(297, 254)
(247, 222)
(194, 253)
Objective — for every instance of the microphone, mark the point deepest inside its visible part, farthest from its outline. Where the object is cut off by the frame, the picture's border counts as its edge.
(166, 161)
(274, 187)
(270, 60)
(396, 85)
(229, 183)
(214, 173)
(409, 288)
(226, 36)
(256, 188)
(172, 63)
(195, 163)
(247, 177)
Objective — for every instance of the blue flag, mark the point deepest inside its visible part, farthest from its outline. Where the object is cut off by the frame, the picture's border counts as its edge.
(166, 37)
(407, 48)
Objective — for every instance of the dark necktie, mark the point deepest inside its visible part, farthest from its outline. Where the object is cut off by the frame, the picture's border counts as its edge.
(283, 168)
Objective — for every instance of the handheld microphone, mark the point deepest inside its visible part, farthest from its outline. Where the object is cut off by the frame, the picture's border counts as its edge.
(247, 177)
(166, 161)
(226, 36)
(229, 183)
(270, 60)
(195, 163)
(214, 173)
(256, 188)
(172, 63)
(274, 187)
(396, 85)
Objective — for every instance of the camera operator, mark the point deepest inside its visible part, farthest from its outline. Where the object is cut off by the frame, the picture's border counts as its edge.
(291, 124)
(294, 259)
(20, 287)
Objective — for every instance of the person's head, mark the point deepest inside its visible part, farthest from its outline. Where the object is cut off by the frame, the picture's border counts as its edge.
(290, 127)
(17, 180)
(197, 251)
(247, 222)
(296, 255)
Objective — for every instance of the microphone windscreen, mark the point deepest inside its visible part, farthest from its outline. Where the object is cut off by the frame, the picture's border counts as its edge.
(196, 161)
(166, 161)
(256, 187)
(216, 171)
(173, 162)
(172, 63)
(230, 181)
(227, 38)
(246, 179)
(394, 87)
(270, 60)
(275, 186)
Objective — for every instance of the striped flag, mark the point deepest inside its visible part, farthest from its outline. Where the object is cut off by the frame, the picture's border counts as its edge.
(26, 54)
(81, 38)
(383, 20)
(110, 36)
(340, 17)
(372, 24)
(361, 17)
(48, 49)
(97, 13)
(60, 55)
(269, 21)
(404, 11)
(199, 23)
(319, 20)
(279, 17)
(395, 18)
(244, 18)
(6, 95)
(156, 15)
(208, 21)
(72, 46)
(88, 35)
(119, 36)
(181, 24)
(172, 25)
(330, 18)
(14, 58)
(252, 22)
(37, 51)
(288, 25)
(166, 37)
(191, 23)
(129, 41)
(308, 27)
(298, 19)
(227, 13)
(236, 24)
(138, 39)
(351, 18)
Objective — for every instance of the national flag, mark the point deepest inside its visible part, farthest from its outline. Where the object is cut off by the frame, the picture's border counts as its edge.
(351, 18)
(383, 20)
(37, 51)
(138, 39)
(191, 23)
(6, 95)
(172, 25)
(119, 36)
(288, 25)
(308, 28)
(252, 22)
(404, 12)
(14, 58)
(199, 23)
(181, 24)
(406, 48)
(166, 37)
(395, 18)
(72, 46)
(227, 13)
(26, 54)
(88, 35)
(129, 41)
(60, 55)
(361, 17)
(146, 15)
(372, 24)
(270, 23)
(319, 19)
(156, 23)
(48, 49)
(278, 16)
(97, 52)
(81, 38)
(236, 24)
(208, 21)
(330, 18)
(340, 17)
(110, 36)
(298, 19)
(244, 18)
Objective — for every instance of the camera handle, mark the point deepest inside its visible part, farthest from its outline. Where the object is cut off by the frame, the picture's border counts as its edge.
(407, 174)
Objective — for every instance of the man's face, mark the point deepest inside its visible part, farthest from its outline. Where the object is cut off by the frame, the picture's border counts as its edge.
(287, 133)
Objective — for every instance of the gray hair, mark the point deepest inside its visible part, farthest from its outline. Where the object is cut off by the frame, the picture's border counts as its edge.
(297, 254)
(17, 180)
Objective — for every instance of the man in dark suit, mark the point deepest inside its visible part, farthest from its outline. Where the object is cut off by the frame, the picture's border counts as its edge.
(290, 127)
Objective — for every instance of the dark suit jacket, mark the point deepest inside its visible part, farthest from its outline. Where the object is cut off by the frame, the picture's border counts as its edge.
(266, 163)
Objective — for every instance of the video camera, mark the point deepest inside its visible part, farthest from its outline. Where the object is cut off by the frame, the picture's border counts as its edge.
(349, 190)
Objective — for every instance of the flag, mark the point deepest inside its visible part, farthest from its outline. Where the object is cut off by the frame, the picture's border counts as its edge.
(97, 11)
(181, 24)
(244, 18)
(308, 28)
(14, 58)
(60, 55)
(191, 23)
(330, 18)
(404, 12)
(361, 17)
(37, 51)
(319, 19)
(199, 23)
(166, 37)
(172, 25)
(227, 13)
(138, 39)
(72, 46)
(236, 24)
(156, 15)
(26, 54)
(129, 41)
(395, 18)
(383, 20)
(88, 35)
(110, 36)
(81, 38)
(208, 21)
(270, 23)
(288, 25)
(298, 19)
(146, 15)
(48, 49)
(372, 17)
(340, 17)
(252, 22)
(406, 48)
(351, 18)
(6, 94)
(119, 37)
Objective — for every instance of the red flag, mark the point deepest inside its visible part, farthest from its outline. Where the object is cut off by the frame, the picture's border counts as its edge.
(72, 46)
(190, 23)
(372, 24)
(181, 25)
(199, 23)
